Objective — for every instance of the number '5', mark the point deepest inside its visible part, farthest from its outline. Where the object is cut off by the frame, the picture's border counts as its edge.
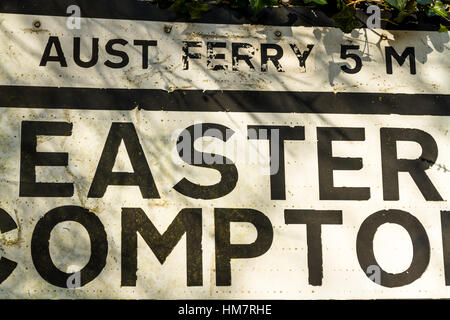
(354, 56)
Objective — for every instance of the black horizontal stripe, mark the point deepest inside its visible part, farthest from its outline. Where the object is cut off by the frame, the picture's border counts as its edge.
(228, 101)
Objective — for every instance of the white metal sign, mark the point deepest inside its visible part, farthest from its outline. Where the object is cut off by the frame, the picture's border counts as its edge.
(151, 160)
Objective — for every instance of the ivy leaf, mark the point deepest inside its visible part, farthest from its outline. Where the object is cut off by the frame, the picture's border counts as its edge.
(409, 11)
(401, 16)
(345, 19)
(321, 2)
(437, 10)
(179, 6)
(398, 4)
(258, 5)
(443, 28)
(196, 10)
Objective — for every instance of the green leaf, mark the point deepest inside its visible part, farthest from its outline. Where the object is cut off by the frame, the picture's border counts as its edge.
(321, 2)
(179, 6)
(258, 5)
(345, 19)
(443, 28)
(438, 10)
(196, 10)
(410, 9)
(398, 4)
(401, 16)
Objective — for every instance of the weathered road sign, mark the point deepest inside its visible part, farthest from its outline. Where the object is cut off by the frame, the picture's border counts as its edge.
(180, 160)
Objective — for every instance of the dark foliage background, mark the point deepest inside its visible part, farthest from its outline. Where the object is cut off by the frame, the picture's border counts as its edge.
(344, 13)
